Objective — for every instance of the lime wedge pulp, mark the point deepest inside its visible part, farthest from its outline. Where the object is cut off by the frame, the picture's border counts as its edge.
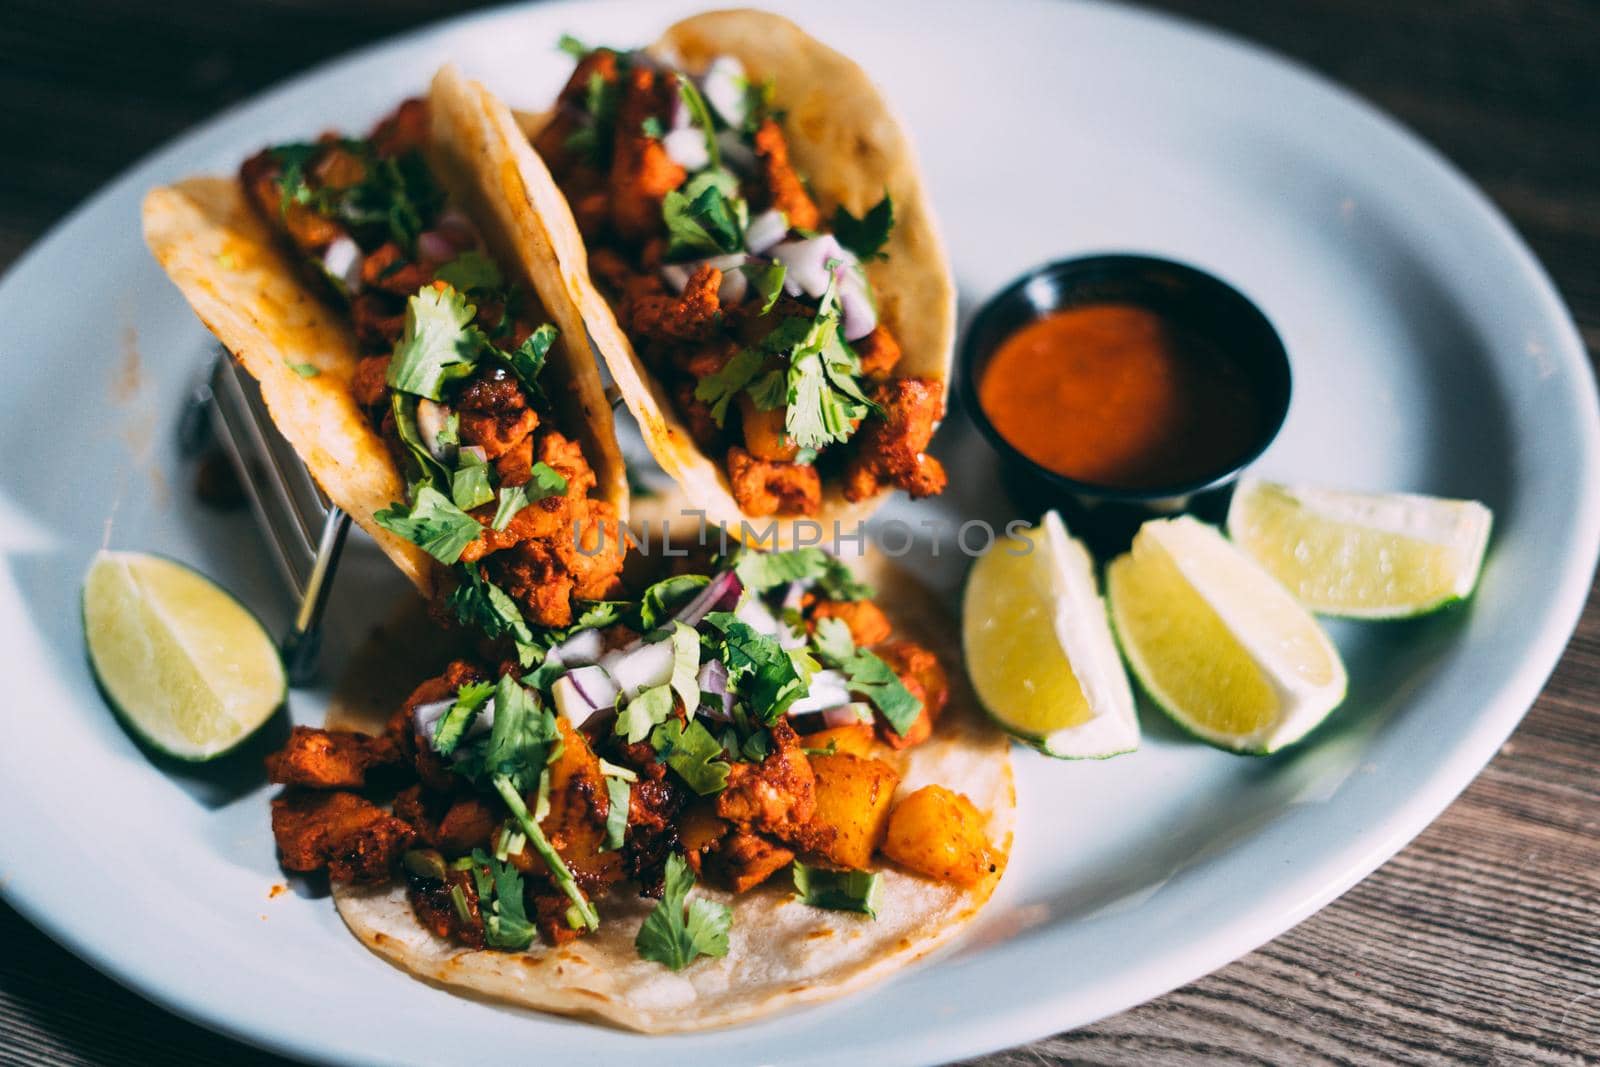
(182, 662)
(1366, 556)
(1040, 651)
(1217, 642)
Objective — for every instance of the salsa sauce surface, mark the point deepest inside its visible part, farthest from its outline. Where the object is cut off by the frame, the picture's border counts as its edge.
(1118, 395)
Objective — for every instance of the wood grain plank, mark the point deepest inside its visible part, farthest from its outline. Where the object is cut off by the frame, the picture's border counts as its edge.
(1480, 942)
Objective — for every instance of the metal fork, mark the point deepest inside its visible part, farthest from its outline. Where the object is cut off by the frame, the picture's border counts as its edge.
(304, 529)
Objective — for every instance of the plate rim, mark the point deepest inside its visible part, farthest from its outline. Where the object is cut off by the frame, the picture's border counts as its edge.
(1326, 878)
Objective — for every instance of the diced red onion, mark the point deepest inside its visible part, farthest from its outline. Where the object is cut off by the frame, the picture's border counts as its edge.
(713, 679)
(754, 613)
(676, 275)
(456, 228)
(807, 261)
(687, 148)
(431, 421)
(342, 261)
(828, 689)
(581, 648)
(579, 694)
(831, 718)
(765, 231)
(476, 450)
(434, 247)
(722, 594)
(723, 86)
(858, 314)
(639, 667)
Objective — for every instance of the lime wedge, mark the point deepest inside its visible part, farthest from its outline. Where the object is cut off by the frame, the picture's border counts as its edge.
(1040, 651)
(1217, 642)
(1365, 556)
(182, 662)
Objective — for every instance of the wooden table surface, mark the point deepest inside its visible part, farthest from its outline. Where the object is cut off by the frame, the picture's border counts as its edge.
(1479, 942)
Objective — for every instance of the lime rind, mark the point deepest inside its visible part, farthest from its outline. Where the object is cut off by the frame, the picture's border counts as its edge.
(1060, 601)
(186, 667)
(1258, 614)
(1337, 533)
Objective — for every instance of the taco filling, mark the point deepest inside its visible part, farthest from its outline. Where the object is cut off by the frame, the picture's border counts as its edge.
(451, 358)
(721, 728)
(750, 306)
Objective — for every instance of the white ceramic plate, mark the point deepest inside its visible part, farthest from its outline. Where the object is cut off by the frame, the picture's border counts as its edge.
(1430, 353)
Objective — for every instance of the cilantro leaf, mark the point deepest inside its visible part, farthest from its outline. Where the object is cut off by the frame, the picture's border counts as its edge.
(645, 710)
(768, 280)
(673, 935)
(652, 127)
(433, 523)
(759, 669)
(452, 726)
(469, 485)
(573, 47)
(471, 270)
(505, 921)
(545, 482)
(706, 216)
(666, 596)
(867, 235)
(305, 370)
(838, 890)
(757, 747)
(690, 750)
(436, 346)
(523, 739)
(479, 603)
(720, 388)
(527, 359)
(761, 571)
(423, 468)
(618, 795)
(869, 675)
(769, 393)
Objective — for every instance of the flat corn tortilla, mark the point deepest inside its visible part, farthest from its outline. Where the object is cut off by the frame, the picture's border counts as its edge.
(243, 284)
(781, 953)
(846, 140)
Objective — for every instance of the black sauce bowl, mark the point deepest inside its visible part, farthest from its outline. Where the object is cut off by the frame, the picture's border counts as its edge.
(1107, 516)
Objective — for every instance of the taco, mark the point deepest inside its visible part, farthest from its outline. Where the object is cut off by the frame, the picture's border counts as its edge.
(743, 790)
(777, 309)
(391, 296)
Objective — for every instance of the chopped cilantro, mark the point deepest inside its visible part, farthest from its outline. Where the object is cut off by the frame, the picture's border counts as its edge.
(618, 796)
(305, 370)
(664, 597)
(527, 359)
(770, 391)
(705, 216)
(452, 725)
(479, 603)
(867, 235)
(768, 280)
(673, 935)
(471, 270)
(505, 922)
(720, 388)
(546, 481)
(423, 468)
(560, 873)
(758, 667)
(691, 751)
(573, 47)
(435, 346)
(838, 890)
(643, 712)
(433, 523)
(651, 127)
(761, 571)
(869, 675)
(469, 485)
(757, 747)
(685, 681)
